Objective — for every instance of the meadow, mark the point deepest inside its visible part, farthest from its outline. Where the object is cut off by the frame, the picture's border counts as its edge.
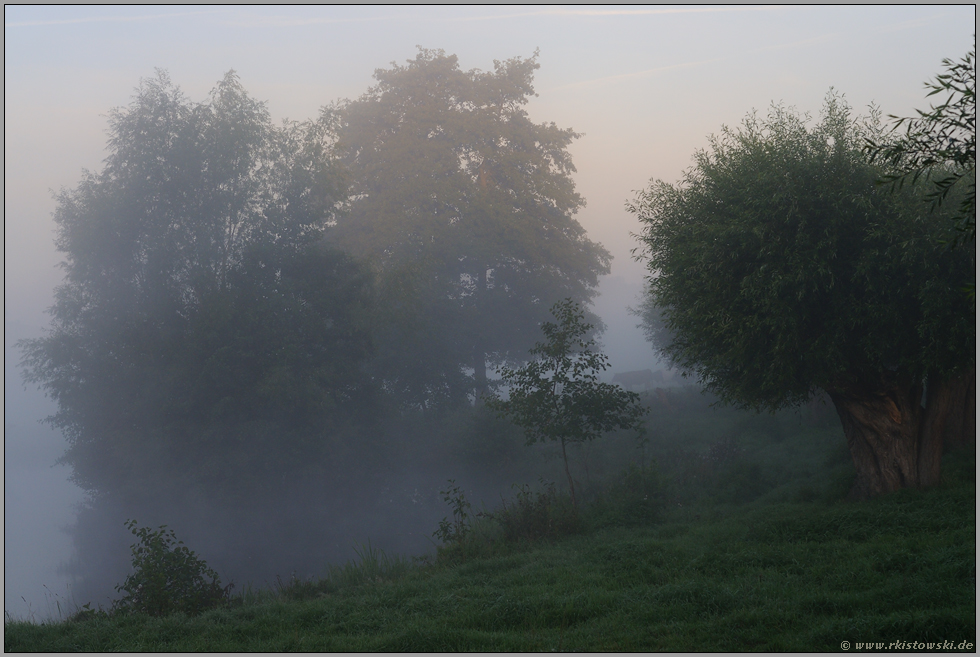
(723, 531)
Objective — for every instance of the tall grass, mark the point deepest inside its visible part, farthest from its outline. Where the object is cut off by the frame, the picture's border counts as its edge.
(371, 566)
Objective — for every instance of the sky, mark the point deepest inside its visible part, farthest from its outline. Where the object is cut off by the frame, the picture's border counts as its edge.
(645, 86)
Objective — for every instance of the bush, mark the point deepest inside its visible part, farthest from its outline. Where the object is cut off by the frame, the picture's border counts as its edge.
(168, 577)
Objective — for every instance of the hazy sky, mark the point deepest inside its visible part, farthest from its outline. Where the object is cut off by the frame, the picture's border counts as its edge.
(645, 86)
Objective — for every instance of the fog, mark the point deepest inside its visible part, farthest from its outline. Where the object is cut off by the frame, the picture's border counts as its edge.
(645, 86)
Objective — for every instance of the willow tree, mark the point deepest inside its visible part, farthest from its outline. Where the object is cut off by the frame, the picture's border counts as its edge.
(940, 145)
(452, 181)
(778, 267)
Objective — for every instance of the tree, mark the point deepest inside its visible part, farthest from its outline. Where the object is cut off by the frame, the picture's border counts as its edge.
(779, 268)
(939, 145)
(199, 315)
(557, 395)
(452, 182)
(416, 356)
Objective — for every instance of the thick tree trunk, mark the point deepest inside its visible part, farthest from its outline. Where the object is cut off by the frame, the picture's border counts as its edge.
(895, 441)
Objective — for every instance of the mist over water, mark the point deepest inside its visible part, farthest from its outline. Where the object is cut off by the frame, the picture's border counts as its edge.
(623, 342)
(645, 86)
(39, 501)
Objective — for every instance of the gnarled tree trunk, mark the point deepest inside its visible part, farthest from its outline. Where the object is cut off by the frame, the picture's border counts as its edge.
(896, 432)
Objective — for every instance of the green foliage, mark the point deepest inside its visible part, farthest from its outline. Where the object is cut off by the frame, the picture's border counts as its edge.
(199, 313)
(653, 323)
(206, 344)
(455, 531)
(168, 577)
(414, 356)
(777, 266)
(740, 484)
(638, 496)
(707, 575)
(87, 613)
(534, 516)
(531, 516)
(372, 566)
(940, 145)
(774, 577)
(557, 396)
(458, 192)
(708, 454)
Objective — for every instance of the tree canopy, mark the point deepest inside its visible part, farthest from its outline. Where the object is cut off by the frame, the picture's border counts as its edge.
(455, 186)
(197, 303)
(778, 267)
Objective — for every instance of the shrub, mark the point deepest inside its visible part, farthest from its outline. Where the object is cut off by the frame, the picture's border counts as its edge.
(534, 516)
(168, 577)
(453, 532)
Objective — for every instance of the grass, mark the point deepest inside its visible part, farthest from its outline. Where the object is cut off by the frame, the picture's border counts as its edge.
(774, 577)
(752, 549)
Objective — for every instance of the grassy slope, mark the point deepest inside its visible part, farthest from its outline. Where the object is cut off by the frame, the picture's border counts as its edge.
(800, 577)
(756, 552)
